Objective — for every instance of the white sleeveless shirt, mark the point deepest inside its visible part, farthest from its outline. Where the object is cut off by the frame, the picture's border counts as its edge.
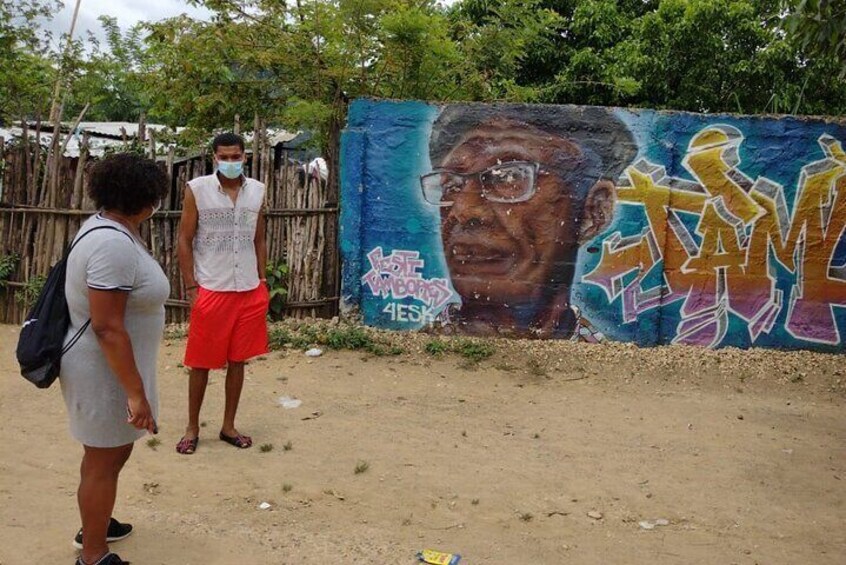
(224, 244)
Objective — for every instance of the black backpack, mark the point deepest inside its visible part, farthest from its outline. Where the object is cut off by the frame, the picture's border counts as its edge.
(41, 342)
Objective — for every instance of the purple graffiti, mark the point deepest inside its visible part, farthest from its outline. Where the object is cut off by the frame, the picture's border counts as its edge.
(398, 275)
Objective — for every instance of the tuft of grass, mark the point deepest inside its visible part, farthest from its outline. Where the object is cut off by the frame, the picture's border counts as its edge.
(475, 502)
(203, 424)
(153, 443)
(266, 447)
(287, 487)
(436, 347)
(526, 517)
(361, 467)
(349, 337)
(288, 446)
(472, 350)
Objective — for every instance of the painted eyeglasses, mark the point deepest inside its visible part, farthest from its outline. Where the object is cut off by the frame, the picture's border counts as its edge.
(514, 181)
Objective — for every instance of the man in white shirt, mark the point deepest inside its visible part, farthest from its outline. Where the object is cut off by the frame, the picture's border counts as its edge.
(222, 256)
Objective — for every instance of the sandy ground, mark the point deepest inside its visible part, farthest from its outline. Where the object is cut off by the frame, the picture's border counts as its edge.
(743, 453)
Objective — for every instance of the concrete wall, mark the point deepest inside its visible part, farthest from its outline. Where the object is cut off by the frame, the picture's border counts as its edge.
(595, 223)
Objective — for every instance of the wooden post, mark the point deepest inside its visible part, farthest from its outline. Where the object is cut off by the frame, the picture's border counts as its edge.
(256, 145)
(33, 187)
(76, 202)
(153, 145)
(51, 151)
(55, 108)
(237, 127)
(73, 128)
(142, 128)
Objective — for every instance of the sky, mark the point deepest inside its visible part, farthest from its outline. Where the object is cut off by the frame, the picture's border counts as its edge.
(127, 12)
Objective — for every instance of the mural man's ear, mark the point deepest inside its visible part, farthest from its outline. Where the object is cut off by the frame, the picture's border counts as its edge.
(598, 211)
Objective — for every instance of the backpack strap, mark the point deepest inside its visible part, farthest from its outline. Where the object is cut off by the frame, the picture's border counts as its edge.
(79, 238)
(76, 337)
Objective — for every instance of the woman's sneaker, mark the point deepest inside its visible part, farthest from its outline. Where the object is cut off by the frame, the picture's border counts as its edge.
(107, 559)
(116, 532)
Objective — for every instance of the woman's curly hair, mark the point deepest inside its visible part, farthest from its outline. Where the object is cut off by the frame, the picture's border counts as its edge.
(127, 183)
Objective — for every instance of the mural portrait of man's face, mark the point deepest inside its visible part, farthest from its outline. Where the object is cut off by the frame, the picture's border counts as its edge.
(515, 203)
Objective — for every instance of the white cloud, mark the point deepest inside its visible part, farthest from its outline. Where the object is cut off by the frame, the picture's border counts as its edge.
(127, 12)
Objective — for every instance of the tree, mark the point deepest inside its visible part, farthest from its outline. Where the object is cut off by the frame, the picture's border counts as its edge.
(697, 55)
(819, 27)
(109, 79)
(297, 65)
(26, 70)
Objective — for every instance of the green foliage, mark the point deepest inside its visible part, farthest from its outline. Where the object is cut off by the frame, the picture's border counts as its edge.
(110, 78)
(339, 337)
(819, 28)
(348, 337)
(436, 347)
(277, 284)
(8, 264)
(473, 350)
(26, 70)
(296, 64)
(698, 55)
(28, 294)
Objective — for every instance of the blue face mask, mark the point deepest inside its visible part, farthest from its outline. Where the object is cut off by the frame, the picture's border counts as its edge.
(230, 169)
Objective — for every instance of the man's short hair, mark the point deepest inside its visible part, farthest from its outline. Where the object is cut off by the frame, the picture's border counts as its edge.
(227, 139)
(596, 130)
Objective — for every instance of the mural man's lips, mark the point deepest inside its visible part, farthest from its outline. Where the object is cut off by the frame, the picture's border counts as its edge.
(475, 253)
(479, 260)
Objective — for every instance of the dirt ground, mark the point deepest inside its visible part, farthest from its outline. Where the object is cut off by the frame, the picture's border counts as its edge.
(546, 453)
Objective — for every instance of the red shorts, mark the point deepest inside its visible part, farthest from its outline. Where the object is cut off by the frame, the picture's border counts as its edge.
(227, 326)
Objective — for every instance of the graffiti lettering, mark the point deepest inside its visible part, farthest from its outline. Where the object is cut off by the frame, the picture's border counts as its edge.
(398, 276)
(409, 313)
(727, 265)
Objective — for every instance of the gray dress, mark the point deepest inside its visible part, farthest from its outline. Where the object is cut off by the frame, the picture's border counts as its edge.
(96, 401)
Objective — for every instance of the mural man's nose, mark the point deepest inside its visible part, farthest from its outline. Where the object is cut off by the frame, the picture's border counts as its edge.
(469, 207)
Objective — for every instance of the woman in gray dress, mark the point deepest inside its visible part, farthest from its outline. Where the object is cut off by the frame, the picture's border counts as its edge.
(108, 378)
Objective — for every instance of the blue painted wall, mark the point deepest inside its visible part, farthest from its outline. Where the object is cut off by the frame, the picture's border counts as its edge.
(716, 229)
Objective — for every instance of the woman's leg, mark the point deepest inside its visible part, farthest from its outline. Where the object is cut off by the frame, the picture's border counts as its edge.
(96, 495)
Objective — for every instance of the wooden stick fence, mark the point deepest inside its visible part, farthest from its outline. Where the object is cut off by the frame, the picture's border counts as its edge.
(39, 218)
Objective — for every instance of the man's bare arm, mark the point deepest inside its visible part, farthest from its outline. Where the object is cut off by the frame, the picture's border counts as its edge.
(185, 242)
(261, 245)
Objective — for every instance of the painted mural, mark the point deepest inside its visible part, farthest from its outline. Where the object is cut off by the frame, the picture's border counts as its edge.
(595, 223)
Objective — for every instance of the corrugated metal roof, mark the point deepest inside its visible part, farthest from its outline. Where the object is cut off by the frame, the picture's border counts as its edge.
(108, 134)
(113, 129)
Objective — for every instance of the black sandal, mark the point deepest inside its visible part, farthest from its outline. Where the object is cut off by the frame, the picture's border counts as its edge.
(187, 446)
(240, 441)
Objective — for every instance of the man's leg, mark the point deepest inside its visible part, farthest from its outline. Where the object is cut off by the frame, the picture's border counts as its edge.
(198, 380)
(234, 385)
(96, 496)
